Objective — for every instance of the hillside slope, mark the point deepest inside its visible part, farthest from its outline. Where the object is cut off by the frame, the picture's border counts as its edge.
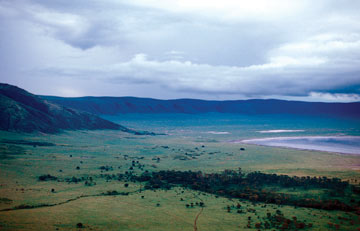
(25, 112)
(117, 105)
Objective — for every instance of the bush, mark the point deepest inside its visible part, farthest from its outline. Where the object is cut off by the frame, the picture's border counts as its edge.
(47, 177)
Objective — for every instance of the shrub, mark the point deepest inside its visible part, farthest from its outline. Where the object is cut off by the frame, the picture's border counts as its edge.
(47, 177)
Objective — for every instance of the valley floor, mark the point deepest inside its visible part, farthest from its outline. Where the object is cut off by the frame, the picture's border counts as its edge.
(73, 201)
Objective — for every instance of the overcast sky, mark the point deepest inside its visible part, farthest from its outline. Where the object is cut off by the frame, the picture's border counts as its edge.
(207, 49)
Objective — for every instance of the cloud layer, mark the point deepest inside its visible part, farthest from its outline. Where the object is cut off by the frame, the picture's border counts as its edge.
(172, 49)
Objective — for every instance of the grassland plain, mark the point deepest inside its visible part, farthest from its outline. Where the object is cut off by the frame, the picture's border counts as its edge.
(30, 204)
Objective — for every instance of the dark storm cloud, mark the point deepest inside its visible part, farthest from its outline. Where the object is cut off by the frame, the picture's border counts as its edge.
(226, 49)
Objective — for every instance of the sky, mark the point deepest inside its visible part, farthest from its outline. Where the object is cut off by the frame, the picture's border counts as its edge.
(166, 49)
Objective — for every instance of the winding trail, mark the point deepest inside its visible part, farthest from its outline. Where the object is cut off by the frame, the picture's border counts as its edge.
(196, 218)
(45, 205)
(23, 207)
(199, 213)
(60, 203)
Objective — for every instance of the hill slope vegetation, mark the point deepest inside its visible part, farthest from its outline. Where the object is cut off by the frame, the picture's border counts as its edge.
(25, 112)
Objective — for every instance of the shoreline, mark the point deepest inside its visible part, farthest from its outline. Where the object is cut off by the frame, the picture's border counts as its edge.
(291, 146)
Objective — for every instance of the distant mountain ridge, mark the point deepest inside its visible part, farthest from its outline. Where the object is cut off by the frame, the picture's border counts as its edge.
(25, 112)
(118, 105)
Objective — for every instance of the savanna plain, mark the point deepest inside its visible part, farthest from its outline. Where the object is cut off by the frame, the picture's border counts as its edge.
(190, 176)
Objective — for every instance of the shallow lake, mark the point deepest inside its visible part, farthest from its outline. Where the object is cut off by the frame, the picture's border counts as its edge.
(339, 144)
(223, 127)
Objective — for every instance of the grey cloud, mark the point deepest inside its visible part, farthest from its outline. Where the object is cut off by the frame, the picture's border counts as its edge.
(188, 52)
(267, 79)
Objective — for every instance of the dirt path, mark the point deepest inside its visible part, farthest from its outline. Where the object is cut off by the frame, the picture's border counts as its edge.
(199, 213)
(60, 203)
(196, 218)
(44, 205)
(178, 218)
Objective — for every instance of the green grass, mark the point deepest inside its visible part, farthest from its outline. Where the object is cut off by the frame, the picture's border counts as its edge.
(19, 182)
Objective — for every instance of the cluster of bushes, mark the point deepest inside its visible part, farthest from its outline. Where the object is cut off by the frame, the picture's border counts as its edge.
(279, 221)
(294, 181)
(137, 164)
(114, 193)
(106, 168)
(192, 204)
(47, 177)
(251, 186)
(127, 176)
(88, 180)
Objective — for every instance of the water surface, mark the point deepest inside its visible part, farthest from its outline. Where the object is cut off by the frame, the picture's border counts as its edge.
(339, 144)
